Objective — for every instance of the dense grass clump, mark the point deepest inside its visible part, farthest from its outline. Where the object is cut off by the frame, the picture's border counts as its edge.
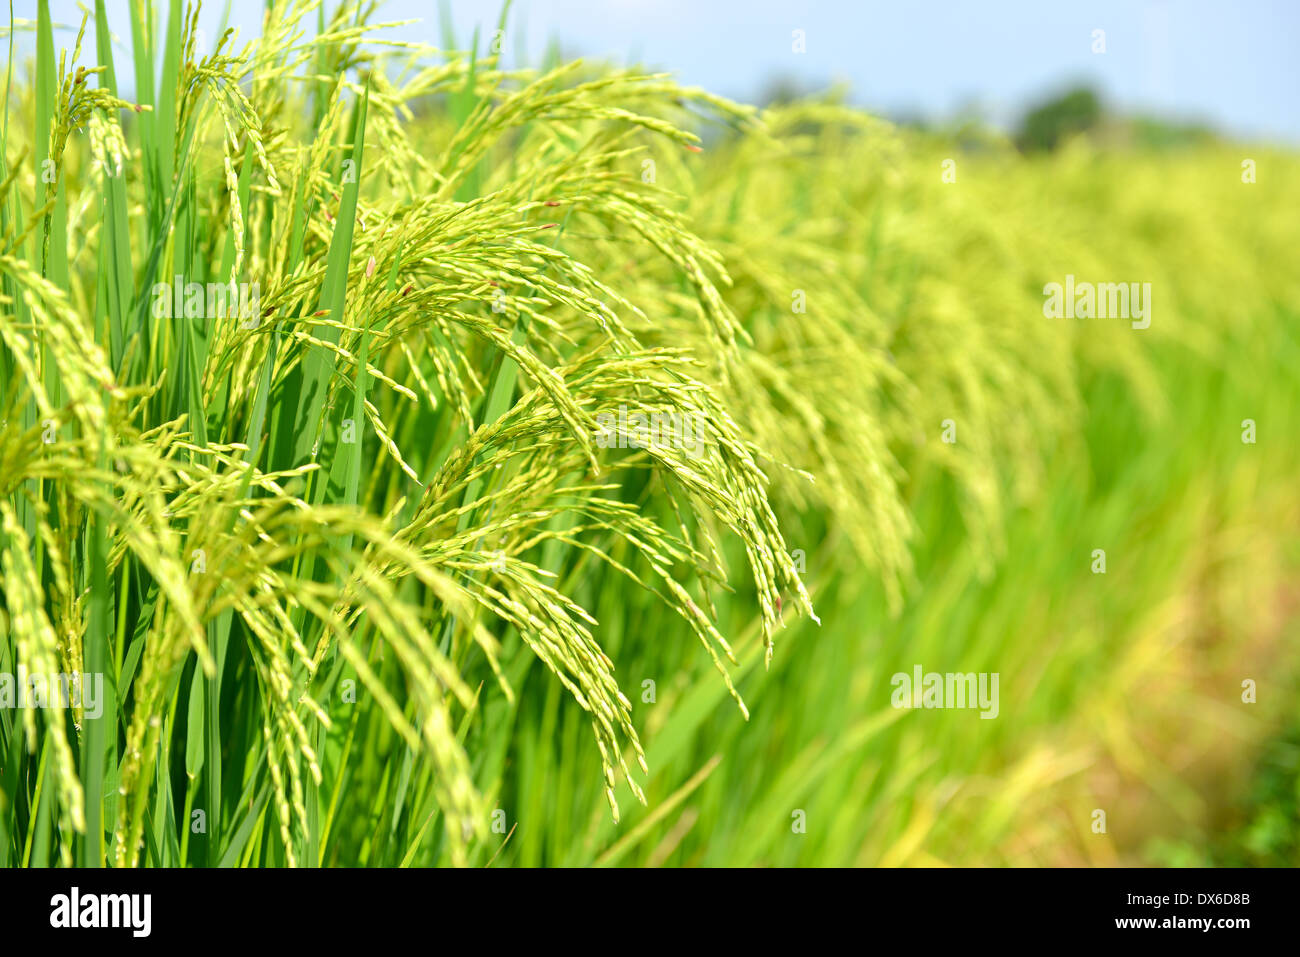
(325, 374)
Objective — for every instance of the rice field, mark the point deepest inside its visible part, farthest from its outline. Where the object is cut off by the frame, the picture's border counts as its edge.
(420, 462)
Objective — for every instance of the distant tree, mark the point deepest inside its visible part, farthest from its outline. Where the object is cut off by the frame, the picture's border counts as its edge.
(1045, 126)
(1157, 133)
(785, 89)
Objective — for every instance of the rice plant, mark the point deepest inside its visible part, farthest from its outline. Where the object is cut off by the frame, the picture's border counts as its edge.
(329, 370)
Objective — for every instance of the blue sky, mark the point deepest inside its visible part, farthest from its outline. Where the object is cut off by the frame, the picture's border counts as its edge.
(1235, 64)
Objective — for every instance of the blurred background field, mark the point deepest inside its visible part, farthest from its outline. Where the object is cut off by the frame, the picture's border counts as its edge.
(1120, 692)
(886, 279)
